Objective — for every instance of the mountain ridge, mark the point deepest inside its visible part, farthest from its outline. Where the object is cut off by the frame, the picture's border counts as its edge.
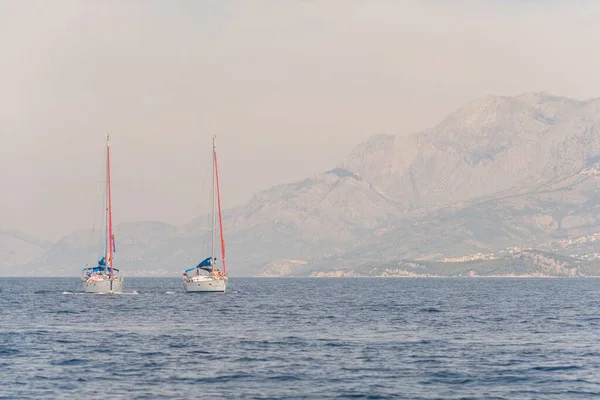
(499, 172)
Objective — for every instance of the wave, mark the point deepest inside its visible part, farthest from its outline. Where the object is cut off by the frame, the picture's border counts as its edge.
(103, 293)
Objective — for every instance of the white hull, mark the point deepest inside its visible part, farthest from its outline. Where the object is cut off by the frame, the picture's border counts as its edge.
(205, 284)
(103, 285)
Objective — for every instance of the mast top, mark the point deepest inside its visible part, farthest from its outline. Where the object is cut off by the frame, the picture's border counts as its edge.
(108, 139)
(214, 137)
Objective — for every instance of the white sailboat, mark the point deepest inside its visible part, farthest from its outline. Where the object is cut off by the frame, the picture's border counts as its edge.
(104, 278)
(206, 277)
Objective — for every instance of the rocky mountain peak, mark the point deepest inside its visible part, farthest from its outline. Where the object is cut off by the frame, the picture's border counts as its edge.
(492, 145)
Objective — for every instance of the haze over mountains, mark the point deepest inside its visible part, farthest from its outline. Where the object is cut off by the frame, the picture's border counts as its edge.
(505, 185)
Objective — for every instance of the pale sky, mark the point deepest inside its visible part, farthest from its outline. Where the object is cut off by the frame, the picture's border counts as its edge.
(289, 87)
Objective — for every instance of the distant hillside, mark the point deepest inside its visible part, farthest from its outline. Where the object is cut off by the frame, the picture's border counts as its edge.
(18, 248)
(502, 172)
(517, 263)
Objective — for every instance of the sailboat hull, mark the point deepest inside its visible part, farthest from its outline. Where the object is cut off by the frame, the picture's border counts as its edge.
(104, 285)
(205, 284)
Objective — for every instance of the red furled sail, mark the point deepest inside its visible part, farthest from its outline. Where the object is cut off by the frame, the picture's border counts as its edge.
(219, 206)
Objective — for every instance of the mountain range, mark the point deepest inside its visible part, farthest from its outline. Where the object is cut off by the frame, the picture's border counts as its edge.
(503, 186)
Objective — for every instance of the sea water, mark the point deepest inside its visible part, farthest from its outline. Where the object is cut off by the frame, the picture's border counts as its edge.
(302, 338)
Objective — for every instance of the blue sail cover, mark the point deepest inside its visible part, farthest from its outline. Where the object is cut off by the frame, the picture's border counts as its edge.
(102, 261)
(208, 262)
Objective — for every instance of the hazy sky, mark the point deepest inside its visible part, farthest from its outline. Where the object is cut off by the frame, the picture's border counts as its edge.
(289, 87)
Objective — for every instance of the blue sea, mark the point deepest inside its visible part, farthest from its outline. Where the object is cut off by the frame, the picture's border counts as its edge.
(302, 339)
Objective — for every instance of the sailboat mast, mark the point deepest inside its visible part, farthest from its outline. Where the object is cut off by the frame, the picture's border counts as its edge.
(214, 214)
(216, 168)
(110, 238)
(105, 205)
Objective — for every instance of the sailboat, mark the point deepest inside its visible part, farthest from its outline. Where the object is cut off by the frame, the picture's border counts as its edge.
(206, 277)
(104, 278)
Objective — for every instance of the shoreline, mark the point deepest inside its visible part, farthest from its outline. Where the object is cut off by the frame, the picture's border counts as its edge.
(334, 277)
